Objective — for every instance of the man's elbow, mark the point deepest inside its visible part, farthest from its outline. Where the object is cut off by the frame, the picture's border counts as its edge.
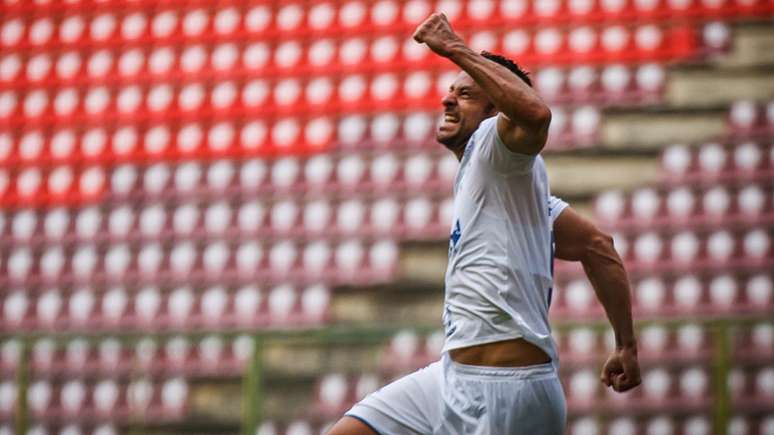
(599, 246)
(536, 129)
(540, 119)
(543, 116)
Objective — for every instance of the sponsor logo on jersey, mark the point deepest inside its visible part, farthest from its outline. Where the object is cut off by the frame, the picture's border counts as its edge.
(454, 237)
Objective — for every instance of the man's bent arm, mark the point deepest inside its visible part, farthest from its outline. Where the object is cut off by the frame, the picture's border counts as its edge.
(524, 117)
(577, 239)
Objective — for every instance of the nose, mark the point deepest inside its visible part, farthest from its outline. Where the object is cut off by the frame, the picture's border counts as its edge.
(449, 100)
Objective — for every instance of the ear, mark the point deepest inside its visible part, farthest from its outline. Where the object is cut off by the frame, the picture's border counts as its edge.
(491, 110)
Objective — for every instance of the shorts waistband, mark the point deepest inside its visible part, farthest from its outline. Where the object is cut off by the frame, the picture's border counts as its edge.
(532, 372)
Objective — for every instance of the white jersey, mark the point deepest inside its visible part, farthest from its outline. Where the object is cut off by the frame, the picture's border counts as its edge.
(499, 276)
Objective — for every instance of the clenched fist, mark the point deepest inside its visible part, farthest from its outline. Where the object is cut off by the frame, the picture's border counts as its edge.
(621, 370)
(437, 33)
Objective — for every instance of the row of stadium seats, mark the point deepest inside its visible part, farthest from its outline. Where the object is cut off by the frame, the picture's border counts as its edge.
(183, 260)
(284, 99)
(149, 309)
(397, 171)
(665, 424)
(256, 97)
(180, 139)
(752, 386)
(686, 206)
(661, 389)
(155, 222)
(104, 400)
(726, 249)
(660, 424)
(353, 17)
(386, 52)
(214, 354)
(111, 357)
(324, 171)
(192, 140)
(581, 346)
(182, 307)
(67, 429)
(653, 250)
(614, 83)
(685, 388)
(715, 162)
(66, 182)
(64, 185)
(752, 119)
(686, 294)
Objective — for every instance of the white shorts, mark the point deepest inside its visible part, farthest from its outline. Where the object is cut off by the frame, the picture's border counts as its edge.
(447, 397)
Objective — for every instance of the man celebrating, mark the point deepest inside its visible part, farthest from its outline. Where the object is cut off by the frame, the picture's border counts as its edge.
(498, 372)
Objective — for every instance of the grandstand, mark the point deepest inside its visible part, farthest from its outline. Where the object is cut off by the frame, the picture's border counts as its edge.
(232, 217)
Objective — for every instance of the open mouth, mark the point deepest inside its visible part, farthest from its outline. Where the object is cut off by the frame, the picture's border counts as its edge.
(450, 118)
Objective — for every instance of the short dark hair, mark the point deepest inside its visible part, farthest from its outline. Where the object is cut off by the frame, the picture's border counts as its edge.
(508, 63)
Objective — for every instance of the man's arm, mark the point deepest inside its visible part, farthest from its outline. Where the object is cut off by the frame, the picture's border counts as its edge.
(577, 239)
(524, 118)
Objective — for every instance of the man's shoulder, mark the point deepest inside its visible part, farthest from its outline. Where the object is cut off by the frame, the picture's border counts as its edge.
(488, 124)
(486, 133)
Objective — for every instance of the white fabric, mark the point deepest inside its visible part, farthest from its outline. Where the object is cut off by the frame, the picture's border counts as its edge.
(451, 398)
(499, 275)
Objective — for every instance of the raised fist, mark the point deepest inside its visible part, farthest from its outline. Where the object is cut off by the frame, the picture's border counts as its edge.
(437, 33)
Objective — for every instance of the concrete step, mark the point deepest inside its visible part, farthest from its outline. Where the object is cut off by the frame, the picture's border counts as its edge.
(712, 88)
(752, 45)
(652, 131)
(414, 298)
(582, 176)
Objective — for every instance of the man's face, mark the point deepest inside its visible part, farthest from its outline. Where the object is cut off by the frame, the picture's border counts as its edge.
(465, 106)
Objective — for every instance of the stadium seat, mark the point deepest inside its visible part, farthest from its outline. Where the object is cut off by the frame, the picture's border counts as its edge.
(759, 292)
(139, 395)
(384, 215)
(349, 257)
(174, 396)
(250, 216)
(111, 354)
(106, 397)
(584, 426)
(691, 339)
(583, 387)
(284, 216)
(115, 306)
(39, 396)
(334, 393)
(10, 355)
(317, 258)
(282, 301)
(214, 305)
(8, 396)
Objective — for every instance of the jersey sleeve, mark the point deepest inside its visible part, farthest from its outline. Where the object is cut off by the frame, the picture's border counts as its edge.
(494, 152)
(555, 207)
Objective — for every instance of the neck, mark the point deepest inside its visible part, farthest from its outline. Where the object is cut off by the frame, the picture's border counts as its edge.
(459, 148)
(459, 152)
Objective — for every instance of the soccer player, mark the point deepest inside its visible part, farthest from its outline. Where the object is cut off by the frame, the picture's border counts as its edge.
(498, 371)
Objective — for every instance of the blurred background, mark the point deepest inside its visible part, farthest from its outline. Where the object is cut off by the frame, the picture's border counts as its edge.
(231, 216)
